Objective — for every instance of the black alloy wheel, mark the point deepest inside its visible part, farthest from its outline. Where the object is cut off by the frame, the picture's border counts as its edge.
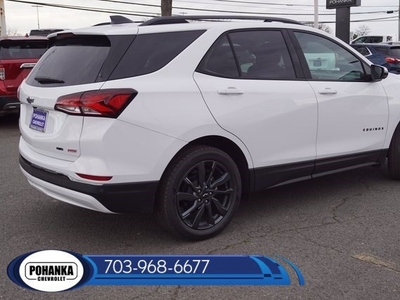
(200, 193)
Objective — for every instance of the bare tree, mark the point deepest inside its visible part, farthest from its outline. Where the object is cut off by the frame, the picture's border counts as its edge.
(166, 7)
(13, 32)
(362, 30)
(321, 26)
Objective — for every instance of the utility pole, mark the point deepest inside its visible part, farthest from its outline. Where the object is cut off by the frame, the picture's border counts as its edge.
(316, 13)
(37, 14)
(3, 28)
(166, 7)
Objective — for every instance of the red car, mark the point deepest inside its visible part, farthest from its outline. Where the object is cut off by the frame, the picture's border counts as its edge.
(18, 55)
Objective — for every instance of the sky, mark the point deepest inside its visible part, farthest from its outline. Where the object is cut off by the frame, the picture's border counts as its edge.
(22, 17)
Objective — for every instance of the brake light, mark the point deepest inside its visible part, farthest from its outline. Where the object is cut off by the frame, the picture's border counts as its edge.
(102, 103)
(392, 60)
(2, 73)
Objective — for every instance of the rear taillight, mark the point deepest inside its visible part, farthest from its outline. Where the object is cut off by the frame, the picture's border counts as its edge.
(392, 60)
(101, 103)
(2, 73)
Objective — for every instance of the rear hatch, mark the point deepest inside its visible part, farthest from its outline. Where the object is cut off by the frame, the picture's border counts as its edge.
(17, 58)
(68, 83)
(391, 55)
(73, 64)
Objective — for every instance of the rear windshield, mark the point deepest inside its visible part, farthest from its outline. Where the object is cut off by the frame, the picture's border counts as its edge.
(88, 59)
(395, 52)
(383, 50)
(389, 51)
(71, 61)
(20, 49)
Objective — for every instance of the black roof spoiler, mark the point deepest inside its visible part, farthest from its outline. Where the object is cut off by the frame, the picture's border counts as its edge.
(120, 20)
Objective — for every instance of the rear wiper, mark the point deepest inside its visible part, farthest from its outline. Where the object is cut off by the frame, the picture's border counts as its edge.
(46, 80)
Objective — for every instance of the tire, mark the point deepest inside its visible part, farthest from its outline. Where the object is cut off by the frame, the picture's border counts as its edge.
(394, 155)
(199, 193)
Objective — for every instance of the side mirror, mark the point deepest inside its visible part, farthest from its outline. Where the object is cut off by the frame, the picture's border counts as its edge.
(378, 73)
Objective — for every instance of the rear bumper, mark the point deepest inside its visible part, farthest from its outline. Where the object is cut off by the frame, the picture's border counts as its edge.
(109, 198)
(8, 105)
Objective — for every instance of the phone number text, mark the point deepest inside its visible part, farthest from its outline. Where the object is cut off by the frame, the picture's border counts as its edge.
(189, 266)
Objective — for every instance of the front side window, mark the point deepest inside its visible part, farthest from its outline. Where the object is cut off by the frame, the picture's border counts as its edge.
(329, 61)
(255, 54)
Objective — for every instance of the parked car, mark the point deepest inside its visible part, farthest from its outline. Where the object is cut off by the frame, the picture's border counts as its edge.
(18, 55)
(373, 39)
(385, 54)
(165, 116)
(44, 32)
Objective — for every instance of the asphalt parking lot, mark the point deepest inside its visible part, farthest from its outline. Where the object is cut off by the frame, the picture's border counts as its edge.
(341, 231)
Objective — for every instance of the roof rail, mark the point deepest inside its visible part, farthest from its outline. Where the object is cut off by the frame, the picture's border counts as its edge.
(184, 19)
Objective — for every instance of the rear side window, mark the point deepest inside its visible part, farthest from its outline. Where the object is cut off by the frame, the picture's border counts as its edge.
(151, 52)
(71, 61)
(376, 39)
(263, 54)
(20, 49)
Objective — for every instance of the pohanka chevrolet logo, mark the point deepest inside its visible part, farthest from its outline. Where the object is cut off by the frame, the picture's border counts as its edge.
(47, 271)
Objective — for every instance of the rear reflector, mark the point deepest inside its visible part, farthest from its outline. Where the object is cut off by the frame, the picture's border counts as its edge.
(101, 103)
(93, 177)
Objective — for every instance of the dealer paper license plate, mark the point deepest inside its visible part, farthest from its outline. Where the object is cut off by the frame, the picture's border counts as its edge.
(38, 121)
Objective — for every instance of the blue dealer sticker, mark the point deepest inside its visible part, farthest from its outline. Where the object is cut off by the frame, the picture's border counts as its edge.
(38, 120)
(54, 270)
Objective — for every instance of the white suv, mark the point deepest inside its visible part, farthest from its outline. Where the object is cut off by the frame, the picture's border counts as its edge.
(186, 117)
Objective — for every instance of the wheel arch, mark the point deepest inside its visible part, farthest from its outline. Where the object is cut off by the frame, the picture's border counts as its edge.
(229, 147)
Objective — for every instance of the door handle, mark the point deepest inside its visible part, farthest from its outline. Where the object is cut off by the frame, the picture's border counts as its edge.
(27, 66)
(230, 91)
(328, 91)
